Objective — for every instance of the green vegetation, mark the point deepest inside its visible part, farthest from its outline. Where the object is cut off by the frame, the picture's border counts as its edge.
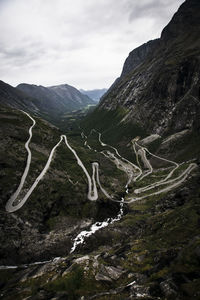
(71, 283)
(114, 131)
(148, 231)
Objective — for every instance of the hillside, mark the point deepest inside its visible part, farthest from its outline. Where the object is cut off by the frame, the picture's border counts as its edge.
(59, 199)
(158, 90)
(15, 98)
(56, 98)
(50, 103)
(63, 243)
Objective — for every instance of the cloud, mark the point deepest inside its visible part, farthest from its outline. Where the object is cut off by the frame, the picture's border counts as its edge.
(83, 43)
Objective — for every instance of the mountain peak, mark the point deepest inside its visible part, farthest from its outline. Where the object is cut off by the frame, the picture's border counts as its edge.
(184, 20)
(138, 55)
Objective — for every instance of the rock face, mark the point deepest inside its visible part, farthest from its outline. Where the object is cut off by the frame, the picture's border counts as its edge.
(138, 55)
(159, 84)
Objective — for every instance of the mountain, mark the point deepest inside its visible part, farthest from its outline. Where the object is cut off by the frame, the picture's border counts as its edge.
(15, 98)
(59, 98)
(158, 90)
(49, 103)
(113, 208)
(94, 94)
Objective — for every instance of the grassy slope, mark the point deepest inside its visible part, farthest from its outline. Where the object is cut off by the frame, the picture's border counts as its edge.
(114, 132)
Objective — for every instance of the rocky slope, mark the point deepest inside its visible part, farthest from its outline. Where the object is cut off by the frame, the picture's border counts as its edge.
(158, 90)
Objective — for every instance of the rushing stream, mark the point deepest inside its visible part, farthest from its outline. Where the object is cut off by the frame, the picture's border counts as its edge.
(96, 226)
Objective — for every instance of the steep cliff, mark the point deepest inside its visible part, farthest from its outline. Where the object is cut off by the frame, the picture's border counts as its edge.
(158, 89)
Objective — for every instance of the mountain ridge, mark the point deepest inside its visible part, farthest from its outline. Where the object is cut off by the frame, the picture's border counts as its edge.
(64, 96)
(49, 103)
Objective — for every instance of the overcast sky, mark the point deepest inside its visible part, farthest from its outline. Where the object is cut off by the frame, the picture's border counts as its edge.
(80, 42)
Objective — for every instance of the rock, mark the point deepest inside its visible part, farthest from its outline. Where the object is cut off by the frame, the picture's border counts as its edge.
(139, 278)
(114, 272)
(102, 277)
(82, 259)
(138, 55)
(109, 273)
(149, 139)
(95, 261)
(139, 291)
(140, 258)
(169, 288)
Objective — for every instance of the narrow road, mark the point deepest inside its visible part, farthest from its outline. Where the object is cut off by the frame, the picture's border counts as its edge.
(92, 188)
(10, 207)
(13, 204)
(95, 166)
(146, 162)
(121, 165)
(148, 187)
(142, 152)
(17, 192)
(169, 188)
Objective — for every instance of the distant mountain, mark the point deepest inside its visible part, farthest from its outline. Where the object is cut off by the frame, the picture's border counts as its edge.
(60, 97)
(94, 94)
(13, 97)
(49, 103)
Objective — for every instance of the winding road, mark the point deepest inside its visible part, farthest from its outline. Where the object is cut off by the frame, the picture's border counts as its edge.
(133, 171)
(13, 204)
(173, 183)
(17, 192)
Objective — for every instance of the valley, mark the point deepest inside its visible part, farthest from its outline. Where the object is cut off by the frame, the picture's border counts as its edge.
(140, 177)
(101, 201)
